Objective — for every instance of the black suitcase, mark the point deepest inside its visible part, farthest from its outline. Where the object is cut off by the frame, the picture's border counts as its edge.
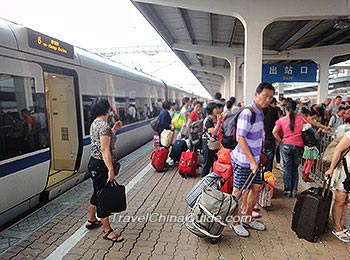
(311, 212)
(176, 150)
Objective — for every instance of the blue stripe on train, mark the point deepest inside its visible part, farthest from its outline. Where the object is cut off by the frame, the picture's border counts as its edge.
(23, 163)
(32, 160)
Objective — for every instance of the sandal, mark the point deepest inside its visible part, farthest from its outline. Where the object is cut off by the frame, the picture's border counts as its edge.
(342, 235)
(93, 224)
(254, 214)
(116, 238)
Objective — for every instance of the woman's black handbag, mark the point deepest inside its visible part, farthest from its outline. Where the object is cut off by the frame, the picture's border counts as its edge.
(309, 137)
(111, 199)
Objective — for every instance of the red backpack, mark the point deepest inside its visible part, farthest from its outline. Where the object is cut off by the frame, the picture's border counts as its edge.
(226, 172)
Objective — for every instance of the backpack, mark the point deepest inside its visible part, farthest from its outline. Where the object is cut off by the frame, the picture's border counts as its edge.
(328, 153)
(195, 131)
(154, 124)
(229, 128)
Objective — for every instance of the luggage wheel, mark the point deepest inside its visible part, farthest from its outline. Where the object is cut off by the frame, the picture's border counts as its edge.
(214, 240)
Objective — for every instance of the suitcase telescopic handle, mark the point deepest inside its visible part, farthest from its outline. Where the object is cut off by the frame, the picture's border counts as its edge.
(248, 183)
(326, 187)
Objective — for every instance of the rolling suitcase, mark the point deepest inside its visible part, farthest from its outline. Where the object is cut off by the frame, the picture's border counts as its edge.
(177, 149)
(311, 212)
(225, 171)
(188, 164)
(158, 158)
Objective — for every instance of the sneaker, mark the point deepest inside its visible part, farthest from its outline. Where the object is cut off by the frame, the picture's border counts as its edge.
(171, 162)
(342, 235)
(287, 193)
(240, 230)
(279, 167)
(293, 194)
(254, 225)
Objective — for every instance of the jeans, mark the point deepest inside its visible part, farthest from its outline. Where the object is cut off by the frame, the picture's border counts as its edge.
(278, 154)
(208, 158)
(269, 150)
(291, 156)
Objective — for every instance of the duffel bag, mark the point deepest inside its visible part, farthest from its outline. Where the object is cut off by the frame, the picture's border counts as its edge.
(212, 180)
(211, 212)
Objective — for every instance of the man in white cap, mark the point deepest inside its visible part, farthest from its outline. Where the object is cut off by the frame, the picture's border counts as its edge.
(303, 103)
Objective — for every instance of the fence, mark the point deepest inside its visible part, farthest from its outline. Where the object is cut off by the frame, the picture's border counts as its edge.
(319, 168)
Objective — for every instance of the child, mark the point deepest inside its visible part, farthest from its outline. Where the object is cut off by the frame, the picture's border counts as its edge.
(310, 152)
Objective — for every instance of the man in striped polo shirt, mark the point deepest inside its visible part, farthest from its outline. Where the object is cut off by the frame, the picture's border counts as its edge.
(246, 157)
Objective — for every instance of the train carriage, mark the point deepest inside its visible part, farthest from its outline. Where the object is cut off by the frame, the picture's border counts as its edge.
(46, 91)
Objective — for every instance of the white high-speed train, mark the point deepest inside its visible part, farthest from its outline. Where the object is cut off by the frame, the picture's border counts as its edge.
(46, 90)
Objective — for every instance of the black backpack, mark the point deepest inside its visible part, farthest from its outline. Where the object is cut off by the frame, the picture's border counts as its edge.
(229, 128)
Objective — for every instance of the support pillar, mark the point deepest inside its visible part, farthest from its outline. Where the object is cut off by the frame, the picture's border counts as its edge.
(322, 90)
(280, 89)
(252, 58)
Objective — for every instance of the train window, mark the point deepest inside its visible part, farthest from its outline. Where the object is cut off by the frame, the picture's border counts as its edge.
(87, 109)
(128, 110)
(23, 117)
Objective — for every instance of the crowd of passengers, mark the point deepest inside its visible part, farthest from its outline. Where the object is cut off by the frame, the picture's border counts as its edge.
(277, 131)
(281, 123)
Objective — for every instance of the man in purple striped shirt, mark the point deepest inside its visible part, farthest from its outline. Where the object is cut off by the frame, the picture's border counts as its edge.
(246, 157)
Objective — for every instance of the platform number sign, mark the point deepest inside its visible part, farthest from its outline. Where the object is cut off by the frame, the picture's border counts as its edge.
(46, 43)
(289, 72)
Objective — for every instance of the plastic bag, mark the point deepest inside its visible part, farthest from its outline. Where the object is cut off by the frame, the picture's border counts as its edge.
(178, 121)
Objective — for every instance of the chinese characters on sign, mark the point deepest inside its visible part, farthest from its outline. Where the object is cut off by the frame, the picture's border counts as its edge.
(289, 72)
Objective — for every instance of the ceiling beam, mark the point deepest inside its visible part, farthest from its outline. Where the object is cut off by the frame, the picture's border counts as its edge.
(325, 37)
(186, 22)
(343, 40)
(233, 32)
(296, 34)
(185, 19)
(234, 25)
(151, 16)
(210, 18)
(336, 36)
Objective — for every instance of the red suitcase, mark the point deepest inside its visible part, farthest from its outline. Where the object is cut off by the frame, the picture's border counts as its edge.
(225, 171)
(188, 164)
(158, 158)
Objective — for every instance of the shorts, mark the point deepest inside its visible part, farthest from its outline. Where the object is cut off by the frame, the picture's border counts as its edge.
(241, 174)
(338, 178)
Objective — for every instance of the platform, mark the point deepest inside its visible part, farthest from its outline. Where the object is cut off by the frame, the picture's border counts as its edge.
(154, 198)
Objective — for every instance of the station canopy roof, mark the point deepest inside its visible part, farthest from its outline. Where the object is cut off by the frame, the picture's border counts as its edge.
(184, 26)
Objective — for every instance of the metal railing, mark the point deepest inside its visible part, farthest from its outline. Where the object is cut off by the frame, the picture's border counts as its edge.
(319, 168)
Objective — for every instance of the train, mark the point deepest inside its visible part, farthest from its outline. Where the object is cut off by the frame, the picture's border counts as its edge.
(47, 88)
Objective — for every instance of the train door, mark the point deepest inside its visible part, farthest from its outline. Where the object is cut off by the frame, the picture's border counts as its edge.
(62, 113)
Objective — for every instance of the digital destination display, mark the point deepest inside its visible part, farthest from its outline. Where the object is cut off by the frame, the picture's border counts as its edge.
(46, 43)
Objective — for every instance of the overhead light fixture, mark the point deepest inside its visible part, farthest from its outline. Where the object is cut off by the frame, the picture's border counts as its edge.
(341, 24)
